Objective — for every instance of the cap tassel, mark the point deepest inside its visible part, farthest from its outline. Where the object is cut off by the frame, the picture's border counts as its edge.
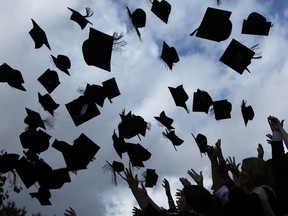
(89, 12)
(118, 42)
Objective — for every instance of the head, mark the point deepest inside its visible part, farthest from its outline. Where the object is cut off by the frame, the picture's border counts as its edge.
(254, 172)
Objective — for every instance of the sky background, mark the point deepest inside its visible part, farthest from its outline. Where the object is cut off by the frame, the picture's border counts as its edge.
(143, 80)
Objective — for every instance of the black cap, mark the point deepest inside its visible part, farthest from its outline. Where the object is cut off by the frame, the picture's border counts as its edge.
(81, 110)
(256, 24)
(62, 62)
(43, 195)
(169, 55)
(81, 20)
(55, 179)
(118, 144)
(138, 19)
(27, 172)
(222, 109)
(237, 56)
(95, 94)
(137, 154)
(97, 49)
(180, 96)
(8, 162)
(247, 112)
(170, 134)
(39, 36)
(50, 80)
(115, 168)
(151, 178)
(111, 88)
(47, 103)
(215, 25)
(201, 101)
(11, 76)
(165, 120)
(201, 141)
(161, 9)
(33, 119)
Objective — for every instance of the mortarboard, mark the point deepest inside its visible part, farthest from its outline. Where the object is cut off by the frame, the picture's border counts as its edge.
(47, 103)
(161, 9)
(50, 80)
(115, 167)
(11, 76)
(222, 109)
(111, 88)
(201, 141)
(237, 56)
(39, 36)
(43, 195)
(151, 178)
(81, 110)
(97, 49)
(81, 20)
(215, 25)
(55, 179)
(169, 55)
(8, 162)
(180, 96)
(62, 62)
(170, 134)
(95, 94)
(33, 119)
(201, 101)
(165, 120)
(256, 24)
(137, 154)
(247, 112)
(27, 172)
(138, 19)
(118, 144)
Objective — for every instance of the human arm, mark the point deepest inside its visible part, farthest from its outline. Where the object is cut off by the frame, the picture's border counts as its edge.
(166, 185)
(197, 177)
(260, 151)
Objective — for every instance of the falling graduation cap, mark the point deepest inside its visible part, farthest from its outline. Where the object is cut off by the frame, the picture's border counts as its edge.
(11, 76)
(95, 94)
(169, 55)
(82, 110)
(138, 19)
(171, 135)
(8, 162)
(54, 179)
(151, 178)
(48, 103)
(119, 144)
(215, 25)
(116, 168)
(80, 19)
(50, 80)
(165, 120)
(247, 112)
(111, 88)
(256, 24)
(27, 172)
(237, 56)
(201, 141)
(161, 9)
(201, 101)
(43, 195)
(39, 36)
(137, 154)
(180, 96)
(33, 119)
(62, 62)
(222, 109)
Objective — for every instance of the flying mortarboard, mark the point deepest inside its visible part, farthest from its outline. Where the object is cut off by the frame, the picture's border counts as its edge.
(161, 9)
(151, 178)
(33, 119)
(247, 112)
(95, 94)
(47, 103)
(169, 55)
(55, 179)
(82, 110)
(215, 25)
(137, 154)
(97, 49)
(237, 56)
(256, 24)
(170, 134)
(39, 36)
(201, 141)
(50, 80)
(201, 101)
(80, 19)
(116, 168)
(180, 96)
(62, 62)
(27, 172)
(222, 109)
(111, 88)
(165, 120)
(8, 162)
(11, 76)
(138, 19)
(43, 195)
(118, 144)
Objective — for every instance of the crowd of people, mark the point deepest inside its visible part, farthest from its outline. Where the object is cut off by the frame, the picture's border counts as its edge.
(258, 188)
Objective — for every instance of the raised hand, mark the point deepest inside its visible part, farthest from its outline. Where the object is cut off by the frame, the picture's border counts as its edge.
(260, 151)
(70, 212)
(197, 177)
(231, 165)
(130, 179)
(184, 181)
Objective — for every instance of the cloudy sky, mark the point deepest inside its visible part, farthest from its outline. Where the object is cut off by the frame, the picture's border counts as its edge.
(143, 80)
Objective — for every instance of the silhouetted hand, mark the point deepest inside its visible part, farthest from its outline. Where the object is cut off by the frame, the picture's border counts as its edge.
(130, 179)
(275, 123)
(269, 136)
(184, 182)
(260, 151)
(198, 178)
(166, 185)
(136, 212)
(231, 165)
(70, 212)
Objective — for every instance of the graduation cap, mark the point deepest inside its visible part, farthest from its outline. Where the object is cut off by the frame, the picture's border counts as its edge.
(54, 179)
(8, 162)
(33, 119)
(201, 101)
(138, 19)
(169, 55)
(137, 154)
(170, 134)
(95, 94)
(116, 168)
(237, 56)
(180, 96)
(11, 76)
(247, 112)
(222, 109)
(151, 178)
(27, 172)
(201, 141)
(215, 25)
(256, 24)
(80, 19)
(62, 62)
(97, 49)
(43, 195)
(81, 110)
(165, 120)
(39, 36)
(118, 144)
(47, 103)
(111, 88)
(50, 80)
(161, 9)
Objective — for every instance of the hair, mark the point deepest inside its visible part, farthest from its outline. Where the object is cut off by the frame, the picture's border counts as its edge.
(259, 171)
